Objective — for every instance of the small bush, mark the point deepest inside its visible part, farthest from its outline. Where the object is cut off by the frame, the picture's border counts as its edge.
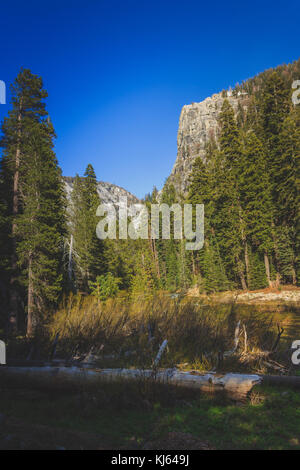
(105, 286)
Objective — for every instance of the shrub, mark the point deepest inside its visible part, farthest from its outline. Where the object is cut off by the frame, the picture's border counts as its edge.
(105, 286)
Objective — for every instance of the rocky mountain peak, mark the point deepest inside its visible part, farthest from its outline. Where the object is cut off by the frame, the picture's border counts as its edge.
(108, 192)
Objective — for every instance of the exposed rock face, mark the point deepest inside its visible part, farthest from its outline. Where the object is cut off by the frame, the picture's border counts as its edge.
(108, 193)
(198, 122)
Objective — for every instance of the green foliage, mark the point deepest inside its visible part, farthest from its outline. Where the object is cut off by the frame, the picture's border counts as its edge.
(144, 280)
(32, 203)
(257, 272)
(248, 183)
(255, 194)
(105, 286)
(212, 269)
(88, 249)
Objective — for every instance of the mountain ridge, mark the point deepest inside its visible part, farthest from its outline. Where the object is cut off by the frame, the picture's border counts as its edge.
(108, 192)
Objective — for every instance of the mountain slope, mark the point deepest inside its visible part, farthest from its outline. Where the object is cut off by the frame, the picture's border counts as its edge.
(198, 122)
(108, 192)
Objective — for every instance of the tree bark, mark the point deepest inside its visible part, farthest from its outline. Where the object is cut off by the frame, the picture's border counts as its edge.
(294, 276)
(243, 280)
(247, 264)
(156, 258)
(13, 304)
(30, 302)
(70, 262)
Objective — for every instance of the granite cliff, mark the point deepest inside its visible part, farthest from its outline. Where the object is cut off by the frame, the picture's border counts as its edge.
(198, 122)
(108, 192)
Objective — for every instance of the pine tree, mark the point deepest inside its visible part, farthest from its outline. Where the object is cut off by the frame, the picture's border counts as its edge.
(287, 194)
(278, 134)
(41, 225)
(212, 267)
(169, 250)
(230, 227)
(286, 256)
(88, 249)
(203, 190)
(32, 198)
(274, 103)
(287, 175)
(257, 271)
(255, 196)
(144, 280)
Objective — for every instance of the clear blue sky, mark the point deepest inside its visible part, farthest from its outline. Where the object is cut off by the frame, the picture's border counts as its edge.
(118, 72)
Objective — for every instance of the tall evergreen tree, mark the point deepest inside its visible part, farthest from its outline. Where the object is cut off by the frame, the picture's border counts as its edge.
(31, 199)
(88, 249)
(203, 189)
(273, 103)
(255, 196)
(41, 225)
(230, 226)
(169, 250)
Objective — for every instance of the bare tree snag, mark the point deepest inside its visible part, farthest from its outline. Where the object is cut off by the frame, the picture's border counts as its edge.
(70, 262)
(236, 340)
(267, 267)
(245, 339)
(160, 353)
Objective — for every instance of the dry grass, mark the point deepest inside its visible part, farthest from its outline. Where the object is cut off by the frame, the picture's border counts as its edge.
(128, 332)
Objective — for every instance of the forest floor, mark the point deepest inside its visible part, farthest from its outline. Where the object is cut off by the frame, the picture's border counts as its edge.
(32, 419)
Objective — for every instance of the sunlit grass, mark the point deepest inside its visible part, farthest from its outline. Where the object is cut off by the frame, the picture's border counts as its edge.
(125, 332)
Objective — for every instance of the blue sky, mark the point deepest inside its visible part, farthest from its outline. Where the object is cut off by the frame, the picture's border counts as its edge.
(119, 72)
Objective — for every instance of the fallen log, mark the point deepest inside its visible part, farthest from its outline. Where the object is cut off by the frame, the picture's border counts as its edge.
(2, 353)
(236, 386)
(292, 381)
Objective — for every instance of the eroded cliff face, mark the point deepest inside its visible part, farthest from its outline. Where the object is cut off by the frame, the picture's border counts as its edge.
(108, 192)
(198, 122)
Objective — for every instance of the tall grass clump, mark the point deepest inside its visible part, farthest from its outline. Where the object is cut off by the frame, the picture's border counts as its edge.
(125, 332)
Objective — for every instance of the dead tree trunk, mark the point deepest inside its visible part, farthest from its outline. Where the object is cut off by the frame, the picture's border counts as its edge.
(236, 386)
(267, 267)
(70, 262)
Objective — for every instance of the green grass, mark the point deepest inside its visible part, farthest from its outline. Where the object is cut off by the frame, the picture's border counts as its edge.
(271, 420)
